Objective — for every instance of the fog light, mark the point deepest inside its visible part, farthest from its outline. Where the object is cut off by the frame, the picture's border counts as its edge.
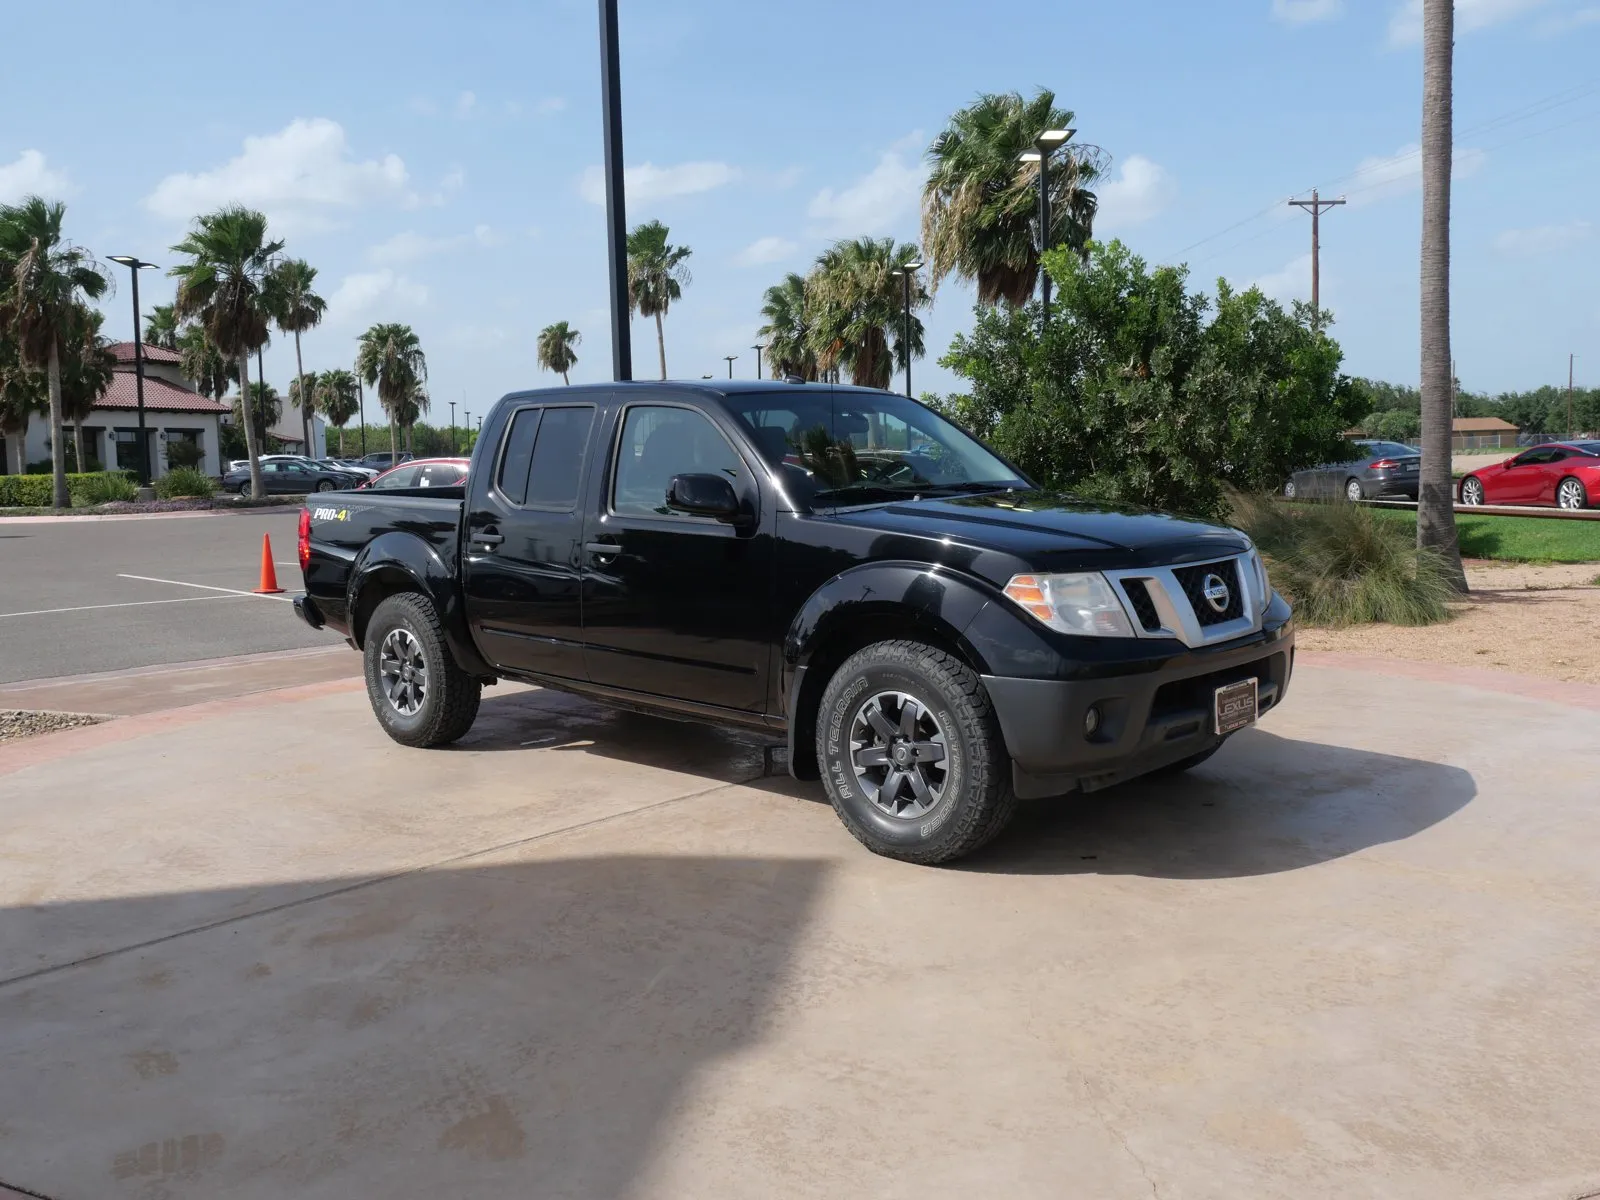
(1091, 721)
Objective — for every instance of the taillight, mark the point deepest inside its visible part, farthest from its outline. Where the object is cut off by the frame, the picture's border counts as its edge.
(1384, 464)
(305, 538)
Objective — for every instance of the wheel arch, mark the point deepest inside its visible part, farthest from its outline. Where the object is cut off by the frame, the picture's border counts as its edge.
(396, 562)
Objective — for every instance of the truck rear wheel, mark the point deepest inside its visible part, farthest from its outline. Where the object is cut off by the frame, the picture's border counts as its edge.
(418, 693)
(911, 753)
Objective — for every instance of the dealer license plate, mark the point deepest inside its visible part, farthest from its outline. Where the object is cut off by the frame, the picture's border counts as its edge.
(1235, 705)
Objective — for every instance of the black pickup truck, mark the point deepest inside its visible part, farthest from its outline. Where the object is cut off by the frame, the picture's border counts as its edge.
(935, 636)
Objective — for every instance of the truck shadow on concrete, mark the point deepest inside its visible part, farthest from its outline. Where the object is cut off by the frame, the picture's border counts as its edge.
(1263, 804)
(524, 1028)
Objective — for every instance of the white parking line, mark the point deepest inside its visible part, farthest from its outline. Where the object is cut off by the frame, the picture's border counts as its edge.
(203, 586)
(41, 612)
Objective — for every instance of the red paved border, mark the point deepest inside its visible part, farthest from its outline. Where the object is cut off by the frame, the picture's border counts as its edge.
(1552, 691)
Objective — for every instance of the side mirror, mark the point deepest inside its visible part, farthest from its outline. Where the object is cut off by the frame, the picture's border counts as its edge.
(703, 496)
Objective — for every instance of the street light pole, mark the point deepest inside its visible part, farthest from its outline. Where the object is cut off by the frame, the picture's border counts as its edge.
(758, 350)
(135, 265)
(361, 403)
(1570, 357)
(906, 271)
(730, 358)
(616, 199)
(1044, 145)
(452, 429)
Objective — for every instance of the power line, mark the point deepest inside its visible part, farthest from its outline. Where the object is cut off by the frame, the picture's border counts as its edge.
(1316, 206)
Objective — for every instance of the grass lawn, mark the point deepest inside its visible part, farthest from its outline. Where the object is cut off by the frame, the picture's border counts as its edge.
(1519, 539)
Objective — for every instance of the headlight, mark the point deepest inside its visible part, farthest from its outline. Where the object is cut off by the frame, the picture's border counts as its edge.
(1263, 584)
(1081, 604)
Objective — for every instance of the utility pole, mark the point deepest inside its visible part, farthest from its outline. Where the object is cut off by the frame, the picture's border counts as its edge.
(1315, 206)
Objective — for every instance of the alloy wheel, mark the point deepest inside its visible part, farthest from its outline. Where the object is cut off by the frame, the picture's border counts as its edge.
(1472, 492)
(897, 748)
(403, 672)
(1571, 494)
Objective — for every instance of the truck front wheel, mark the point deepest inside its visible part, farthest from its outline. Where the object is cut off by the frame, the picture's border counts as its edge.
(912, 755)
(418, 693)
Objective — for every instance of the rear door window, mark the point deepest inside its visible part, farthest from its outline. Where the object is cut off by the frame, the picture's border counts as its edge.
(440, 475)
(558, 456)
(517, 456)
(403, 478)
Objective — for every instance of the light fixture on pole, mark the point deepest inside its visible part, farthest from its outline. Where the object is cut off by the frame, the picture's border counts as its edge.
(758, 349)
(907, 271)
(135, 265)
(466, 421)
(1044, 146)
(730, 358)
(452, 428)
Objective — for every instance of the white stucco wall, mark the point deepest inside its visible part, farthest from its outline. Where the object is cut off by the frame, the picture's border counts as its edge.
(110, 419)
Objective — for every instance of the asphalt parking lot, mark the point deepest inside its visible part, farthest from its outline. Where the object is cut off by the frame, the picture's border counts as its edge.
(80, 596)
(254, 949)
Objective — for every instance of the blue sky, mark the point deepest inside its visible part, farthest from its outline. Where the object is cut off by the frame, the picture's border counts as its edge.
(437, 163)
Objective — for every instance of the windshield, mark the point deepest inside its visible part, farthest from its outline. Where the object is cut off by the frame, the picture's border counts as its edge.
(859, 447)
(1391, 450)
(1587, 447)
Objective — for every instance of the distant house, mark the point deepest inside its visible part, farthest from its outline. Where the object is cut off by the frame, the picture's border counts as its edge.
(173, 412)
(1482, 433)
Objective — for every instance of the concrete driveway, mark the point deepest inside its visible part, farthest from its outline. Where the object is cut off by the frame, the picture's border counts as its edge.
(252, 949)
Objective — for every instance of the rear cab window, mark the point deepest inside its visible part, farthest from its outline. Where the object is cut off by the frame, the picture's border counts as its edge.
(541, 462)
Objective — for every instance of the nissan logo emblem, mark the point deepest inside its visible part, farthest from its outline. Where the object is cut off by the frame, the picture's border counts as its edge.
(1216, 592)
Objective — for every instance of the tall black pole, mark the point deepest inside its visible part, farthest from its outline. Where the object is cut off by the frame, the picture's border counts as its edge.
(757, 349)
(361, 403)
(616, 209)
(138, 387)
(905, 277)
(452, 429)
(1044, 237)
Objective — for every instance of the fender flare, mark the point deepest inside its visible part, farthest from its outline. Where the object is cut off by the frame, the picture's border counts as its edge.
(405, 555)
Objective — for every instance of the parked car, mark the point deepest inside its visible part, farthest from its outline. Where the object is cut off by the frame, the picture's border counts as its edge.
(1565, 474)
(1384, 471)
(423, 472)
(382, 460)
(334, 464)
(935, 636)
(292, 477)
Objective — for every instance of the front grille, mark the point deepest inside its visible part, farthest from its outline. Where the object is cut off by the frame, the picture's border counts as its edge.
(1138, 593)
(1193, 581)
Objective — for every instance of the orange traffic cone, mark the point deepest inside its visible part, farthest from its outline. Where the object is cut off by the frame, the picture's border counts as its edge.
(269, 576)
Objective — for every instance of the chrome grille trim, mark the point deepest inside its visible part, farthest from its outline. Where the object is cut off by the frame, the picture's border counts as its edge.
(1176, 613)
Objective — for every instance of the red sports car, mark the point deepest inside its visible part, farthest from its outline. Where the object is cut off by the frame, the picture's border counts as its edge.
(1565, 474)
(423, 472)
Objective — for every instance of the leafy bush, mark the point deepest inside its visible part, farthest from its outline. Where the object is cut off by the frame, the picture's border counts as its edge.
(184, 482)
(183, 454)
(1342, 564)
(102, 488)
(25, 491)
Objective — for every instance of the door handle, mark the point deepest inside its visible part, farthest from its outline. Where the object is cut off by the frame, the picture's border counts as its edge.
(487, 537)
(602, 550)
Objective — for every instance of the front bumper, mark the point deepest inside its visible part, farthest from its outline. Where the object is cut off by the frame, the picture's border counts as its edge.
(1148, 719)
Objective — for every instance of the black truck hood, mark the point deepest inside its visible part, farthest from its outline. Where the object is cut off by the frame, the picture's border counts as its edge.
(1053, 531)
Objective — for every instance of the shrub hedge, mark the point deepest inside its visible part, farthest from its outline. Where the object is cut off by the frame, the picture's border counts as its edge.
(34, 491)
(183, 482)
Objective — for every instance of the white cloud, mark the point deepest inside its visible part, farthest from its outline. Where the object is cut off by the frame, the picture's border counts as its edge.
(1291, 283)
(877, 202)
(363, 293)
(423, 106)
(1543, 239)
(1405, 26)
(765, 250)
(476, 337)
(1386, 175)
(29, 175)
(296, 176)
(649, 182)
(1567, 22)
(1300, 12)
(1142, 189)
(465, 103)
(410, 246)
(550, 105)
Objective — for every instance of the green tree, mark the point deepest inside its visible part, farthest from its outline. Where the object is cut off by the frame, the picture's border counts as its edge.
(787, 332)
(86, 370)
(656, 277)
(266, 409)
(856, 303)
(22, 393)
(222, 286)
(1132, 395)
(337, 400)
(161, 327)
(390, 357)
(199, 361)
(303, 395)
(43, 281)
(980, 205)
(1436, 516)
(556, 348)
(296, 307)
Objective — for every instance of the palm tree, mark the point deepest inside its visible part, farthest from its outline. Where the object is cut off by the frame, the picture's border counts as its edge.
(86, 370)
(390, 356)
(556, 352)
(787, 333)
(296, 307)
(201, 362)
(1436, 517)
(161, 327)
(409, 409)
(42, 282)
(303, 395)
(336, 399)
(22, 393)
(656, 277)
(857, 305)
(222, 287)
(266, 408)
(980, 204)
